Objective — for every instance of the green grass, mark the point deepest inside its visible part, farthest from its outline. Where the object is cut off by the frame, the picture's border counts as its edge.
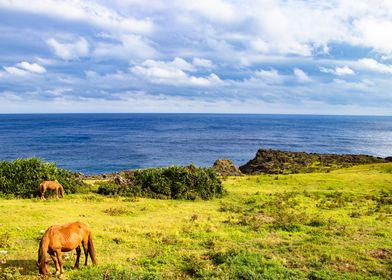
(333, 225)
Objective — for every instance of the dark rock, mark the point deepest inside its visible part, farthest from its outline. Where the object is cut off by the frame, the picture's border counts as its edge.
(389, 159)
(120, 180)
(224, 167)
(282, 162)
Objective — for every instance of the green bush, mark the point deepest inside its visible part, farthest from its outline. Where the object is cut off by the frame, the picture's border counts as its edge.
(110, 188)
(22, 177)
(173, 182)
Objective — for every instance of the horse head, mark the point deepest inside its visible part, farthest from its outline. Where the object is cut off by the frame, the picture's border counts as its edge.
(43, 267)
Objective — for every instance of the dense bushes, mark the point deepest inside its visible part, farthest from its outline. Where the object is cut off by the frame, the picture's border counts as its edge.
(22, 177)
(173, 182)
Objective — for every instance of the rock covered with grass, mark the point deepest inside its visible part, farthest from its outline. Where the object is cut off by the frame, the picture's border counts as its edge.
(281, 162)
(224, 167)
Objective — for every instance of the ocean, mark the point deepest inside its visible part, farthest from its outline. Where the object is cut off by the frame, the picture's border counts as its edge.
(103, 143)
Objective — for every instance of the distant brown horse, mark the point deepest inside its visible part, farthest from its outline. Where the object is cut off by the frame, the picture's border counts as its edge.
(50, 185)
(64, 238)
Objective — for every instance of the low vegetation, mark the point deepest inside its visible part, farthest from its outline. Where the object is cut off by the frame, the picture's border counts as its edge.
(22, 177)
(333, 225)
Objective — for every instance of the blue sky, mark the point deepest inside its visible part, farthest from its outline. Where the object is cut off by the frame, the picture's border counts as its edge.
(265, 56)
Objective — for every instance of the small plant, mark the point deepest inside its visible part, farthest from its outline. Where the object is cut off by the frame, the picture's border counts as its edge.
(116, 211)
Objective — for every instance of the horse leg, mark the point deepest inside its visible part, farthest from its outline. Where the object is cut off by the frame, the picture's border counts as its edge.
(78, 253)
(43, 195)
(54, 258)
(60, 260)
(85, 249)
(57, 193)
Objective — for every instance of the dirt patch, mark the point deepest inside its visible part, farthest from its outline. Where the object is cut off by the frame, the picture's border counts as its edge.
(381, 253)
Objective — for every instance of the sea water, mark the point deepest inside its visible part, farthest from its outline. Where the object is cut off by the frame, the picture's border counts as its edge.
(102, 143)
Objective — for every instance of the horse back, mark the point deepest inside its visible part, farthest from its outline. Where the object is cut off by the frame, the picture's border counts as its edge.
(68, 236)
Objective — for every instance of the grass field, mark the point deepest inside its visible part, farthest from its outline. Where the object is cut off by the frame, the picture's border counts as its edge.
(335, 225)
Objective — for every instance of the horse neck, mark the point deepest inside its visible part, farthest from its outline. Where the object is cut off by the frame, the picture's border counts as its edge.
(43, 249)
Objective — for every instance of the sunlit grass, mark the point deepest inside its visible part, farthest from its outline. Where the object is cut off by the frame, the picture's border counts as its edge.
(321, 225)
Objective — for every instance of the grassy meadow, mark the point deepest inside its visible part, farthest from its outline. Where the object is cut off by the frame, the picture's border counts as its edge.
(335, 225)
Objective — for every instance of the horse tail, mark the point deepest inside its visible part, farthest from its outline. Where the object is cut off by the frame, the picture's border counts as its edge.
(91, 249)
(41, 189)
(62, 191)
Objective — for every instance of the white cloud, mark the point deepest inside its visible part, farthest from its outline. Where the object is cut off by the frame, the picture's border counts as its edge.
(373, 65)
(15, 71)
(269, 76)
(130, 46)
(203, 63)
(24, 68)
(301, 75)
(32, 67)
(372, 33)
(214, 10)
(339, 71)
(69, 51)
(173, 73)
(87, 11)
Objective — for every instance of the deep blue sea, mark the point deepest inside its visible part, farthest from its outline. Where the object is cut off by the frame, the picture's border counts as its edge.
(100, 143)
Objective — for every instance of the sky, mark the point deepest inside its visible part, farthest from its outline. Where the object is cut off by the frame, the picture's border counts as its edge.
(205, 56)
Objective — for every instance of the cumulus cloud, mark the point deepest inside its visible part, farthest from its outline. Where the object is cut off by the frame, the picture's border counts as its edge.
(88, 11)
(68, 51)
(32, 67)
(173, 73)
(301, 76)
(24, 68)
(269, 76)
(339, 71)
(203, 63)
(127, 47)
(15, 71)
(374, 65)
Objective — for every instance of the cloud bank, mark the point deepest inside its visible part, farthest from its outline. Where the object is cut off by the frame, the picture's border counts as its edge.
(254, 56)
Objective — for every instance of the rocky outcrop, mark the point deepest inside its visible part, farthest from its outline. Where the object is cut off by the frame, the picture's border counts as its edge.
(389, 159)
(282, 162)
(224, 167)
(119, 180)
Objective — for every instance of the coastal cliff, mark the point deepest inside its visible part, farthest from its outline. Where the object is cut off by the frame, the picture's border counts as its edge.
(269, 161)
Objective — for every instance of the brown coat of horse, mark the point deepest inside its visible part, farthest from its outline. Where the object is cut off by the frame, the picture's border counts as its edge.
(65, 238)
(50, 185)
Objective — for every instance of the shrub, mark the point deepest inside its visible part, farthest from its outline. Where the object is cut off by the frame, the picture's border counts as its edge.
(110, 188)
(247, 265)
(173, 182)
(22, 177)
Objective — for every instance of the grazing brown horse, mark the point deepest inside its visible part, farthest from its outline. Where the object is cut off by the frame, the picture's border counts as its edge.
(65, 238)
(50, 185)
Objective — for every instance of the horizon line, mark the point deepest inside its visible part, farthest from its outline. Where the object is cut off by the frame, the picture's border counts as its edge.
(192, 113)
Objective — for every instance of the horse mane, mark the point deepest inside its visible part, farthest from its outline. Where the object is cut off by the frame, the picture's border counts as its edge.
(43, 248)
